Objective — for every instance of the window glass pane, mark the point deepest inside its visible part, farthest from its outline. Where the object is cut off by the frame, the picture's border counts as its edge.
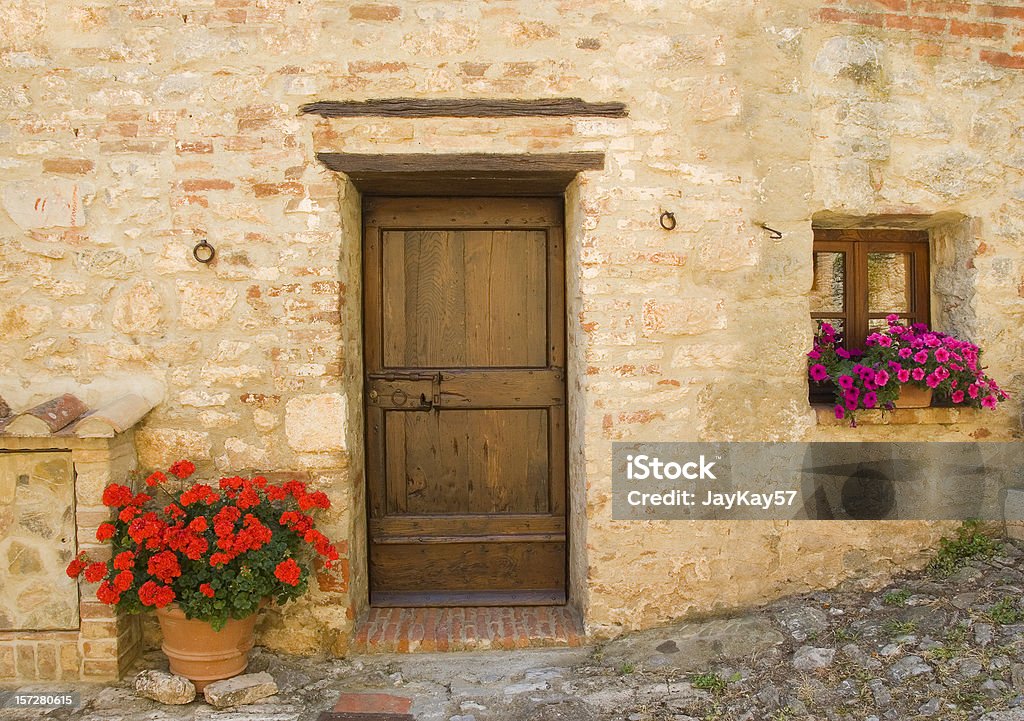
(889, 277)
(829, 288)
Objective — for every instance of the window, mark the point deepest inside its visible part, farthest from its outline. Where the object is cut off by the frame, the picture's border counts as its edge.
(863, 275)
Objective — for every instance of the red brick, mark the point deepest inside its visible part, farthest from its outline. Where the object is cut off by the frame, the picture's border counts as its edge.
(917, 24)
(368, 703)
(977, 30)
(1001, 11)
(68, 166)
(939, 7)
(830, 15)
(200, 185)
(870, 5)
(263, 190)
(374, 12)
(1003, 60)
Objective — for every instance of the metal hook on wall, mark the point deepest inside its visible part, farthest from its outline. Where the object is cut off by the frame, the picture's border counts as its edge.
(203, 252)
(773, 234)
(668, 220)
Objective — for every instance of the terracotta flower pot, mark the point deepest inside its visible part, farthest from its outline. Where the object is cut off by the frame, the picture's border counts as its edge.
(912, 396)
(201, 654)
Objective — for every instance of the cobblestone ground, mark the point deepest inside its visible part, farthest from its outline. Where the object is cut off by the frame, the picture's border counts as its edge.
(924, 647)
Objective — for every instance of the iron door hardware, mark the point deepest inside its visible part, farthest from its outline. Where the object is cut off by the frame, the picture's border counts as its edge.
(405, 390)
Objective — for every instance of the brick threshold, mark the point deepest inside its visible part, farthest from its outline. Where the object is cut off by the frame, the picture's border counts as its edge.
(473, 628)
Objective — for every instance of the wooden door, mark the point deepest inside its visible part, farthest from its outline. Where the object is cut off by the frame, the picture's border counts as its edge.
(465, 393)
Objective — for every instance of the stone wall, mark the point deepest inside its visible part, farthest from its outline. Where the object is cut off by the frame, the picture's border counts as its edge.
(136, 129)
(50, 507)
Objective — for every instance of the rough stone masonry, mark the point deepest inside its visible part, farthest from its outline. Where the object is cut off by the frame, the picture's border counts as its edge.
(135, 129)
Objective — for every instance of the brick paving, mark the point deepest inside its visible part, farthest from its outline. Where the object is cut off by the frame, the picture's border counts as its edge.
(404, 630)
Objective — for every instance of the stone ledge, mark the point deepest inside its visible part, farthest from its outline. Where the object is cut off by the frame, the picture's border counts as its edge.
(935, 416)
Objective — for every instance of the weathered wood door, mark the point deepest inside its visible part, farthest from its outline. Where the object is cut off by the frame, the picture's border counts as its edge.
(465, 393)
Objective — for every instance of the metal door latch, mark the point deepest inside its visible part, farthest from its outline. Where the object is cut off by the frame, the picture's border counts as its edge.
(405, 390)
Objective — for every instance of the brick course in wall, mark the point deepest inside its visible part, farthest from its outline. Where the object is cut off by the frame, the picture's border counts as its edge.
(992, 33)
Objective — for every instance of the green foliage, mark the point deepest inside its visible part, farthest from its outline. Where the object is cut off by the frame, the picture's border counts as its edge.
(709, 681)
(899, 628)
(896, 598)
(626, 669)
(841, 634)
(1005, 612)
(954, 553)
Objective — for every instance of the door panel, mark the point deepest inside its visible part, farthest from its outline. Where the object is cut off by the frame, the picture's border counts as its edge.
(465, 400)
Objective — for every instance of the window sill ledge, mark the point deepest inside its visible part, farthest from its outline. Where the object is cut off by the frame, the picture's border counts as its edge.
(898, 417)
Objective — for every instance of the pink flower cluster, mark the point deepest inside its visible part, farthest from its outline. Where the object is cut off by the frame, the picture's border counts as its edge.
(942, 362)
(900, 355)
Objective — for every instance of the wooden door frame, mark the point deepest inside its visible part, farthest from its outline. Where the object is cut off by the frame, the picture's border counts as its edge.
(564, 449)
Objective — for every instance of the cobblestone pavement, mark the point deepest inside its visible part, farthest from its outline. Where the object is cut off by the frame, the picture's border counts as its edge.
(923, 647)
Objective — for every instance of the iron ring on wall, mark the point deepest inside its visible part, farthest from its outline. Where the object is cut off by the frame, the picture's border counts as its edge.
(203, 252)
(668, 220)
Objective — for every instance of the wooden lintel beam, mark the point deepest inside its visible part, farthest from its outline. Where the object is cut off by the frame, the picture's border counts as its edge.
(462, 163)
(459, 108)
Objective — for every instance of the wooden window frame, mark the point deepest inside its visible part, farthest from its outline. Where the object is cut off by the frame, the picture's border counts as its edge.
(856, 244)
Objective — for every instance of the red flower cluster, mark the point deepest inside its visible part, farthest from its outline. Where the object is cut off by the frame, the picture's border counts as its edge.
(77, 565)
(199, 492)
(153, 595)
(107, 593)
(164, 566)
(164, 553)
(149, 529)
(183, 469)
(116, 496)
(288, 572)
(187, 541)
(95, 572)
(123, 581)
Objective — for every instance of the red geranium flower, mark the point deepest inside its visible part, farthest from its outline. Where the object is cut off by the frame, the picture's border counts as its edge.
(206, 589)
(164, 566)
(124, 561)
(105, 531)
(123, 581)
(183, 469)
(116, 495)
(155, 478)
(288, 572)
(77, 565)
(96, 572)
(107, 593)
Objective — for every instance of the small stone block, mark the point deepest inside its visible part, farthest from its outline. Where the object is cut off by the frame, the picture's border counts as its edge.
(167, 688)
(245, 689)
